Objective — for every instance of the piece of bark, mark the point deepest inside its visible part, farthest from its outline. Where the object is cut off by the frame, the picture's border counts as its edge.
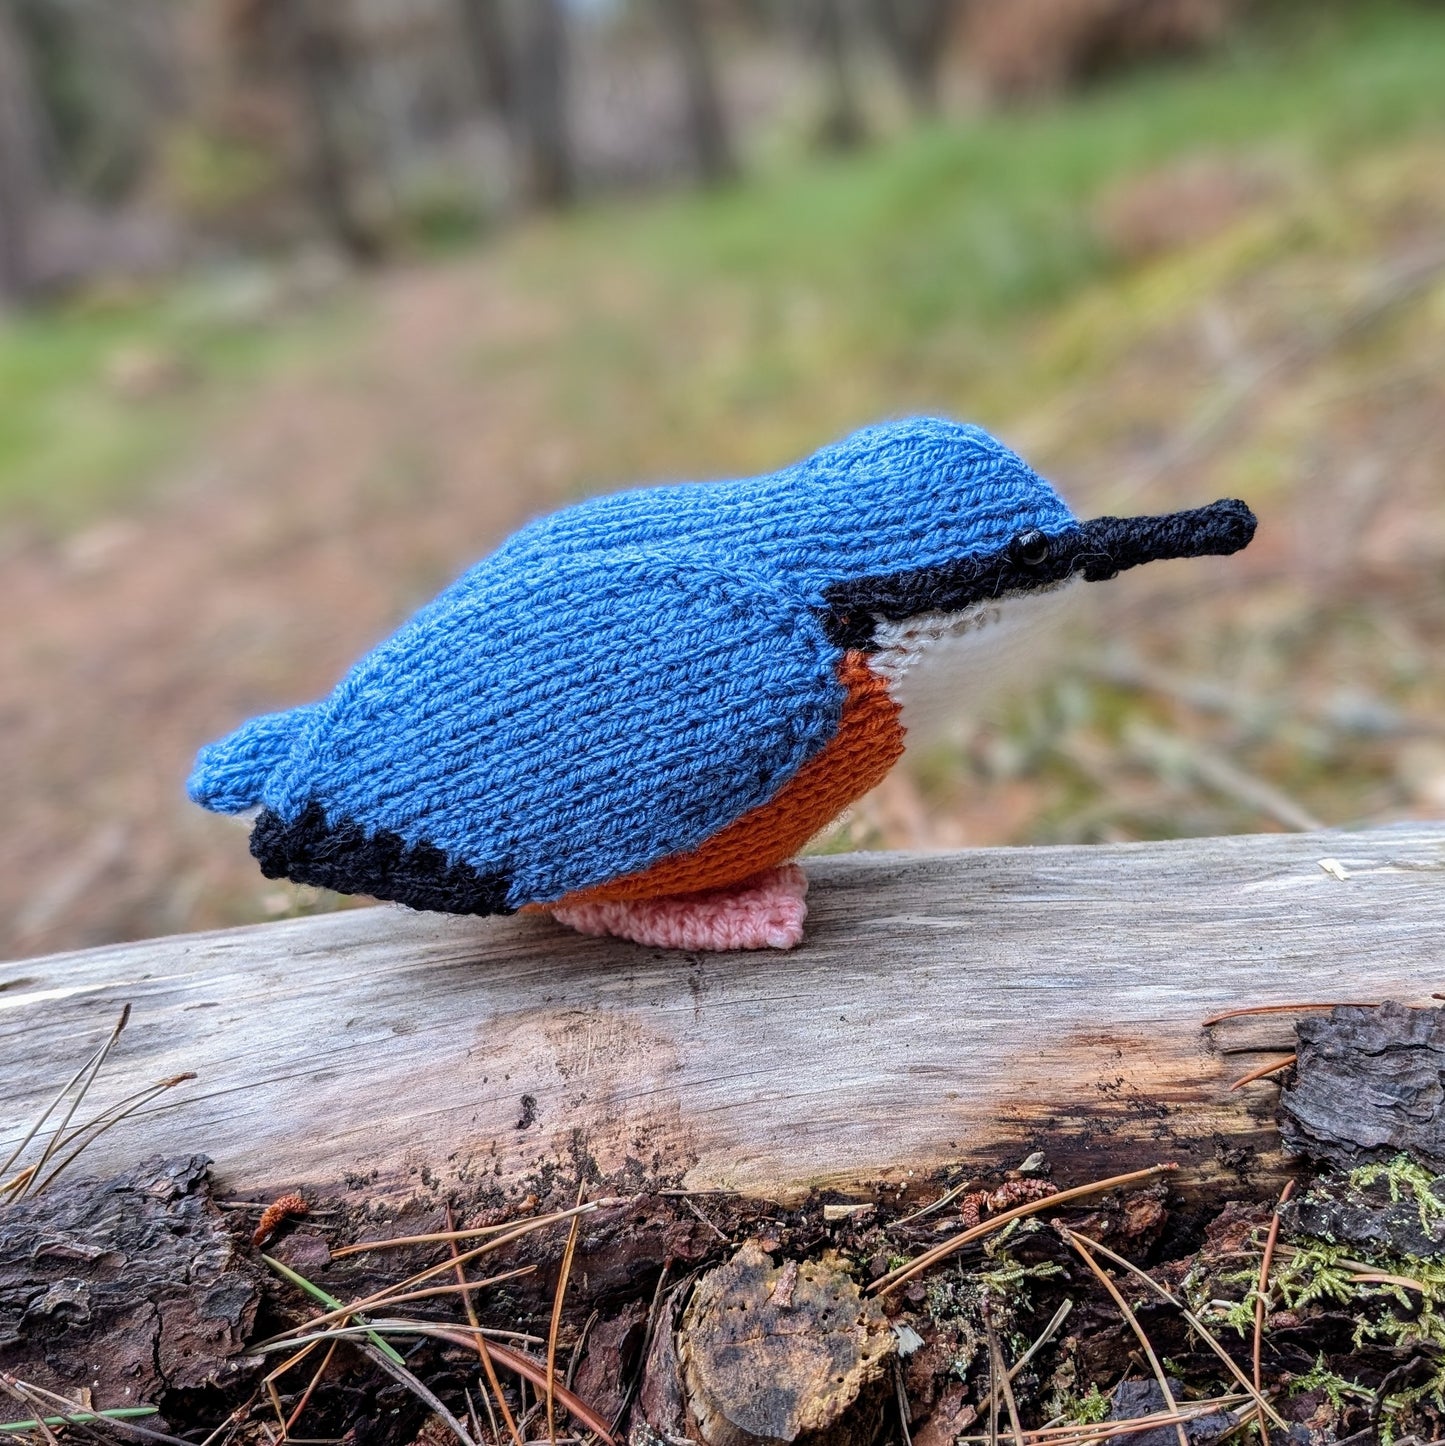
(784, 1353)
(1338, 1208)
(610, 1360)
(129, 1286)
(659, 1398)
(1369, 1085)
(1133, 1399)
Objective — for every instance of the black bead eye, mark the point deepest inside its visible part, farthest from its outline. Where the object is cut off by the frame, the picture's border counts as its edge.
(1031, 548)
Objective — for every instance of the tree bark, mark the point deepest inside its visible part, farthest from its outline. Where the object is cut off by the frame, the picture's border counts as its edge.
(914, 32)
(547, 171)
(22, 175)
(843, 121)
(130, 1285)
(315, 55)
(707, 122)
(486, 32)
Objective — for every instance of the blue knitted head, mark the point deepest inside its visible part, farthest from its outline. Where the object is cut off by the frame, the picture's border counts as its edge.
(621, 682)
(899, 495)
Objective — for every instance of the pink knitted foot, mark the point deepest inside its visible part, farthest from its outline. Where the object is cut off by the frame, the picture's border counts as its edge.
(764, 912)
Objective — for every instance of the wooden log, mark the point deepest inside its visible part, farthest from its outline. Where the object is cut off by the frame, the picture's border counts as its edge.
(961, 1007)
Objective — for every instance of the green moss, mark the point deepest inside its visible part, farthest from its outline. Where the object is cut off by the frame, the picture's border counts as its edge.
(1334, 1385)
(1405, 1177)
(75, 437)
(1089, 1408)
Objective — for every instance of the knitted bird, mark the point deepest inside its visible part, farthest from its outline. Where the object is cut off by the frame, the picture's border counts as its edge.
(636, 712)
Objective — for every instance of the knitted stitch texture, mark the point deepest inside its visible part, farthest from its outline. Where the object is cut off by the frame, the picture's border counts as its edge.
(766, 911)
(869, 741)
(649, 690)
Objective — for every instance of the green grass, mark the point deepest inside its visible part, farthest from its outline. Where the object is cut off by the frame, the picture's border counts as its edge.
(74, 440)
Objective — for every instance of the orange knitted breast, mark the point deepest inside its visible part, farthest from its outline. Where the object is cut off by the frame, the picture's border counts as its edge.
(869, 741)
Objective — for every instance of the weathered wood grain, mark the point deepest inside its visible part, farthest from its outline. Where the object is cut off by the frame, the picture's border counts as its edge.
(966, 1006)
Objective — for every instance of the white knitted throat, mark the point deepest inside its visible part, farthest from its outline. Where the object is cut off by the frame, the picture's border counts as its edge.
(941, 665)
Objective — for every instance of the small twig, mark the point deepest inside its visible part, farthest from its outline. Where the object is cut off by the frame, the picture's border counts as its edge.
(1265, 1070)
(649, 1331)
(704, 1219)
(1045, 1336)
(993, 1395)
(270, 1379)
(955, 1243)
(947, 1198)
(579, 1345)
(1060, 1316)
(1165, 752)
(1092, 1435)
(1104, 1279)
(22, 1393)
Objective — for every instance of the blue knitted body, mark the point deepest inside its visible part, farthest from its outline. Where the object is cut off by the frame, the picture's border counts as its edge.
(623, 679)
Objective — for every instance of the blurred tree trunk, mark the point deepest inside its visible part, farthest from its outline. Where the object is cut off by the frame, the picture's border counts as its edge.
(315, 52)
(843, 121)
(547, 169)
(22, 172)
(491, 55)
(707, 123)
(915, 32)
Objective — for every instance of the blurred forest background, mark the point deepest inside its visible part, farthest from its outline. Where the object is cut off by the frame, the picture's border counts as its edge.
(304, 304)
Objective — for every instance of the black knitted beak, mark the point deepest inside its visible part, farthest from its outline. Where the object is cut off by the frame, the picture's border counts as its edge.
(1104, 547)
(1094, 550)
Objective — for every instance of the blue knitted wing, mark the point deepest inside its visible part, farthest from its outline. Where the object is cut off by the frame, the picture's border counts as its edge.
(567, 721)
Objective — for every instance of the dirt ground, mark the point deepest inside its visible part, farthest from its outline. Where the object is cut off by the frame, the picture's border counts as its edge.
(1296, 359)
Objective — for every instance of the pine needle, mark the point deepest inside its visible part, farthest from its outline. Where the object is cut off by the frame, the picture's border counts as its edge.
(555, 1328)
(1266, 1260)
(316, 1293)
(999, 1369)
(1199, 1327)
(1103, 1278)
(1289, 1009)
(483, 1354)
(442, 1237)
(1263, 1070)
(84, 1077)
(942, 1251)
(115, 1413)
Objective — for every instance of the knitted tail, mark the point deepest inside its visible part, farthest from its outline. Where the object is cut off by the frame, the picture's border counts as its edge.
(230, 775)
